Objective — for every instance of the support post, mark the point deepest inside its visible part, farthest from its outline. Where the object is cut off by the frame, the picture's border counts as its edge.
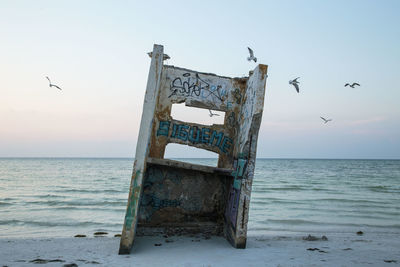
(142, 150)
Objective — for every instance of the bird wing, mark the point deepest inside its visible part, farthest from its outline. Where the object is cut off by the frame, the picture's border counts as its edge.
(251, 52)
(48, 79)
(56, 86)
(323, 118)
(355, 84)
(347, 84)
(297, 87)
(295, 80)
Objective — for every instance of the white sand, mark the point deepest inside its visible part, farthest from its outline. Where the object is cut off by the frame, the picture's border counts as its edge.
(269, 250)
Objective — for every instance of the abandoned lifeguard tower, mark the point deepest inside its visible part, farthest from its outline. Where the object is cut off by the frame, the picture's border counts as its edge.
(173, 197)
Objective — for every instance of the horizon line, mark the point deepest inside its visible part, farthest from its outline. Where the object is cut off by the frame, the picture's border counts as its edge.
(132, 158)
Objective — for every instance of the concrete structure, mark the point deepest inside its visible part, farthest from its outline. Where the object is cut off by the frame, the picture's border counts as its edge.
(173, 197)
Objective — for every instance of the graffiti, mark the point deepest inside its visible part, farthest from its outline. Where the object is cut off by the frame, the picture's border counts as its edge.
(232, 207)
(229, 105)
(231, 211)
(195, 135)
(239, 167)
(157, 203)
(237, 95)
(232, 119)
(247, 112)
(189, 86)
(155, 197)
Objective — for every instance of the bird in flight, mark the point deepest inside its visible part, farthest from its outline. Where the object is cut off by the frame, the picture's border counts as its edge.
(52, 85)
(251, 57)
(351, 85)
(325, 120)
(212, 114)
(295, 83)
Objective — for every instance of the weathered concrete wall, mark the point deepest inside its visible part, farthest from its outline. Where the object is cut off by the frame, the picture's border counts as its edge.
(237, 212)
(177, 200)
(201, 90)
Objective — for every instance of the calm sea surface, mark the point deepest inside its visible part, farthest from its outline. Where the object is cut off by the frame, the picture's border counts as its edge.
(63, 197)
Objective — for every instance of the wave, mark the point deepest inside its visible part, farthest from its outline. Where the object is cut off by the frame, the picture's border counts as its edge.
(7, 199)
(382, 189)
(50, 196)
(90, 208)
(318, 223)
(91, 191)
(80, 203)
(266, 189)
(347, 200)
(267, 201)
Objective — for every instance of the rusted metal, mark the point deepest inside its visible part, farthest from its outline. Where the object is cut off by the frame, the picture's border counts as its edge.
(168, 196)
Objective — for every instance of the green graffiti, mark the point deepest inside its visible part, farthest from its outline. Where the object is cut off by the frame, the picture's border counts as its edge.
(132, 202)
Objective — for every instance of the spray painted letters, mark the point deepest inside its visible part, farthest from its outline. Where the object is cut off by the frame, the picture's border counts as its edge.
(189, 86)
(195, 135)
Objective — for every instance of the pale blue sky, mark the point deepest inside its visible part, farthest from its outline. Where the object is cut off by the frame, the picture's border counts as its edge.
(96, 51)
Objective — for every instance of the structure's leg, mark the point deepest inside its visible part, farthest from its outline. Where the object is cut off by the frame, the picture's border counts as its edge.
(142, 150)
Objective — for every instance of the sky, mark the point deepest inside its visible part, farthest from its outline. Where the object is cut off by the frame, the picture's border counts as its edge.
(96, 51)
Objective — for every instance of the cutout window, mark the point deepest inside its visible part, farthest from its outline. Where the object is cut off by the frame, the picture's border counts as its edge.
(197, 115)
(191, 154)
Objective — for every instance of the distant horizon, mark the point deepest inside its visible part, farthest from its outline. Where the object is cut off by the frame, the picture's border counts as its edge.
(283, 158)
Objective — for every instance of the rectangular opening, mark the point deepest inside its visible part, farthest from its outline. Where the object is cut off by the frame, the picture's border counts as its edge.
(197, 115)
(191, 154)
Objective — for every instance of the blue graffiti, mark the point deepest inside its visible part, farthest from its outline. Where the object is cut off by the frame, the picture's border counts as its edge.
(195, 135)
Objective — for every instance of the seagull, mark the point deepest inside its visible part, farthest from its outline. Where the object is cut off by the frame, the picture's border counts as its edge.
(52, 85)
(295, 83)
(351, 85)
(325, 120)
(212, 114)
(251, 57)
(165, 56)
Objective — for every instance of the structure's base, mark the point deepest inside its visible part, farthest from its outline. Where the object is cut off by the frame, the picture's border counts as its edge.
(204, 228)
(124, 251)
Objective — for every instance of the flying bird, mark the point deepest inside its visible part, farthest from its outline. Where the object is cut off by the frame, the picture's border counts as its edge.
(165, 56)
(52, 85)
(251, 57)
(295, 83)
(213, 114)
(325, 120)
(351, 85)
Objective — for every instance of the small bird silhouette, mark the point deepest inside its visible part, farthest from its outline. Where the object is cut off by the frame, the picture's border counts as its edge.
(212, 114)
(295, 83)
(165, 56)
(52, 85)
(351, 85)
(251, 57)
(325, 120)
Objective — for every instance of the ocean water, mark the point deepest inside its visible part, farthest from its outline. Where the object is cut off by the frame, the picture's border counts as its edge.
(61, 197)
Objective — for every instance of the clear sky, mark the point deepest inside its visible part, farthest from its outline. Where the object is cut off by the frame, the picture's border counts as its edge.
(96, 51)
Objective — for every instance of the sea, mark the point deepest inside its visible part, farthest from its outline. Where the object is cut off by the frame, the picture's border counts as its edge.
(62, 197)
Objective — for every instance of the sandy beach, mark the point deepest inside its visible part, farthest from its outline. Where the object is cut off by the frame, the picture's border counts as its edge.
(341, 249)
